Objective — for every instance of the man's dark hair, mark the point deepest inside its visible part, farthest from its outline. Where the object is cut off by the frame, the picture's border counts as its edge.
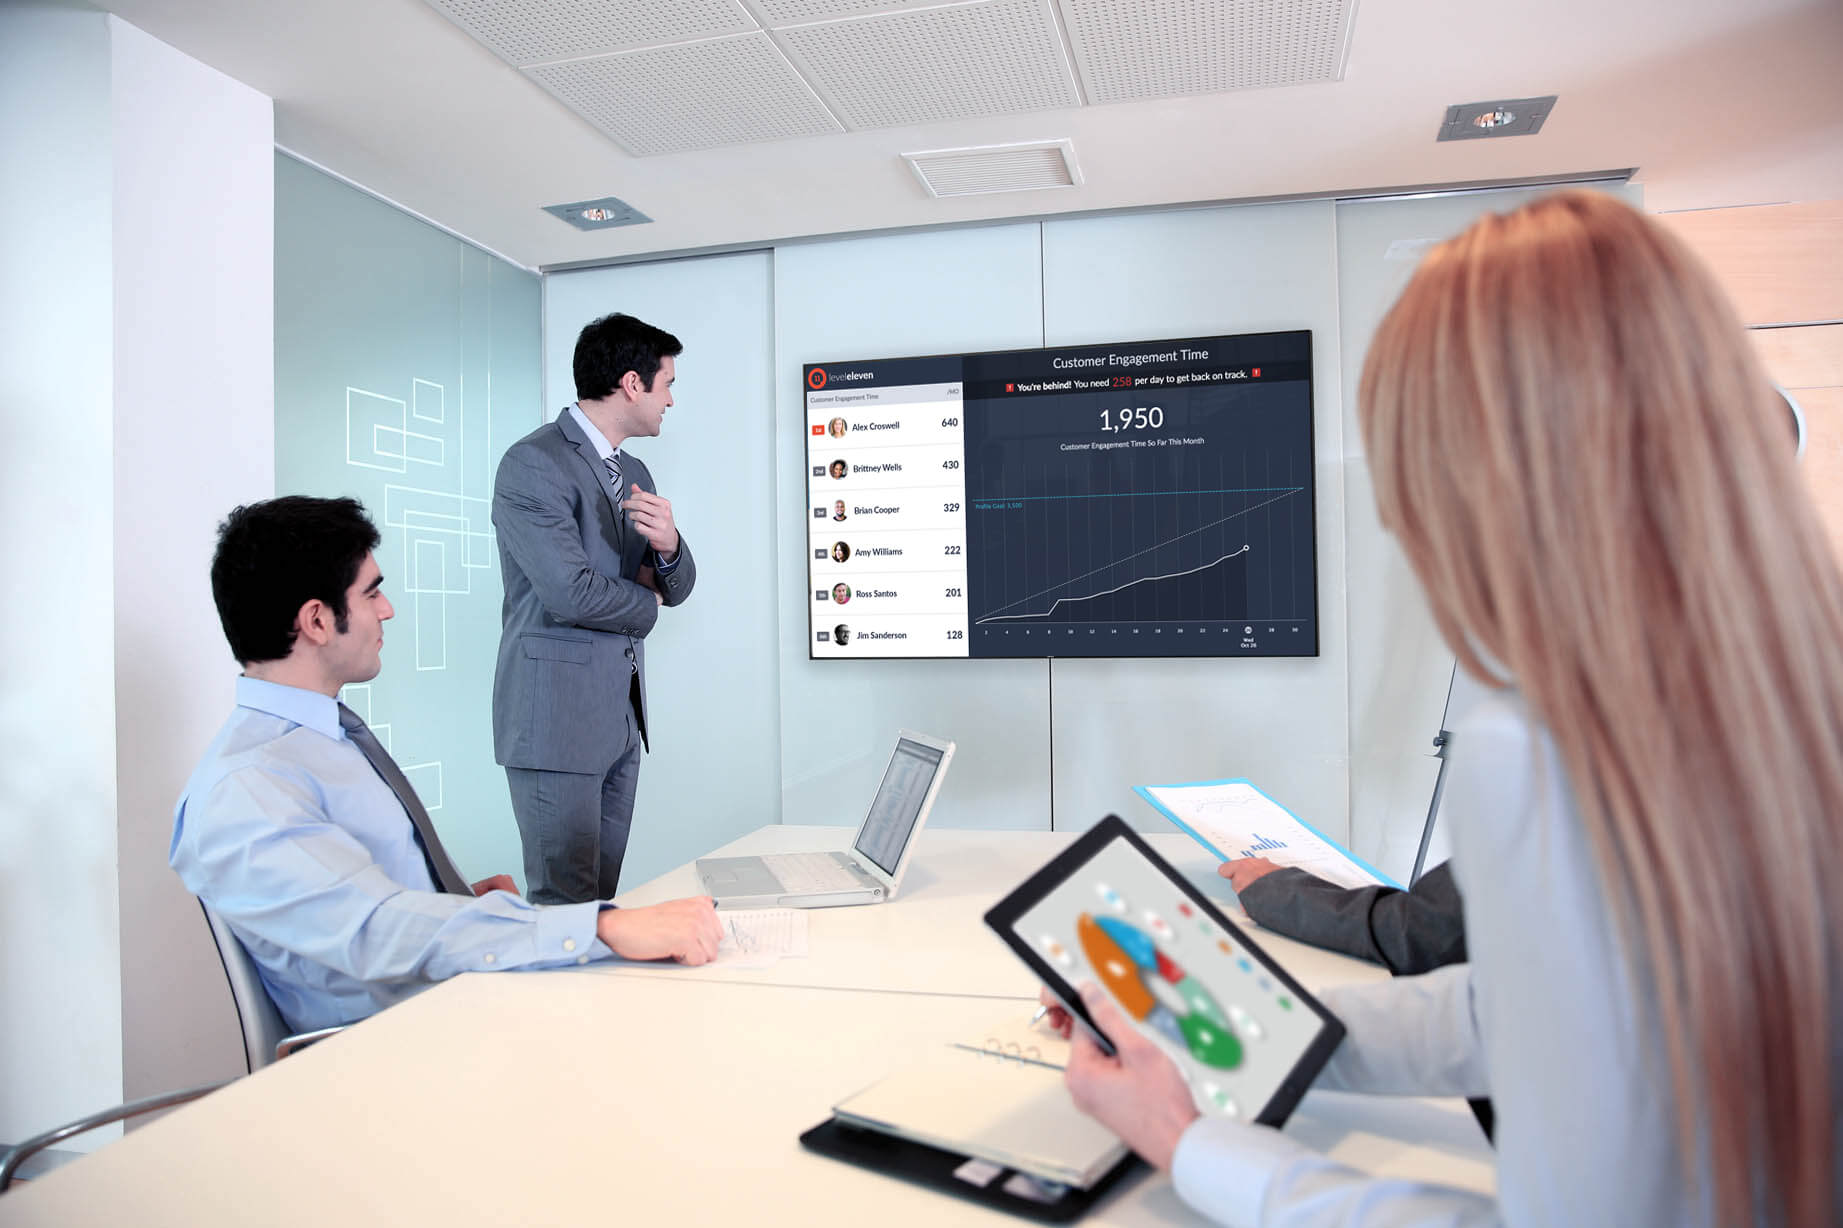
(276, 556)
(608, 348)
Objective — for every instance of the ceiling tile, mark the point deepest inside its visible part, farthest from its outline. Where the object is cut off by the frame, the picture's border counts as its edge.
(529, 32)
(1135, 49)
(660, 100)
(795, 12)
(936, 64)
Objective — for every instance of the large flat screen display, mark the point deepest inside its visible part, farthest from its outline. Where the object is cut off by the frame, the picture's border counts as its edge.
(1139, 499)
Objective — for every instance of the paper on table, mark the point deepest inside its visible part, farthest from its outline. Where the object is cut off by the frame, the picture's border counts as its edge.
(757, 937)
(1232, 818)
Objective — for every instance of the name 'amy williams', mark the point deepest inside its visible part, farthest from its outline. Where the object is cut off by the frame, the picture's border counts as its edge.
(875, 511)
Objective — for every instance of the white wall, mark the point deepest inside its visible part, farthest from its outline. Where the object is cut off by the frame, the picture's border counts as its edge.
(711, 679)
(892, 297)
(60, 1001)
(135, 358)
(1280, 721)
(194, 221)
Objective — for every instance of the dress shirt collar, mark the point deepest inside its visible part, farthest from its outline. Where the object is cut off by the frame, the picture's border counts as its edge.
(318, 712)
(603, 448)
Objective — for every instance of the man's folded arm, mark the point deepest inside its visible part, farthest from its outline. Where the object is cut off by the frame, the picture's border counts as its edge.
(532, 515)
(677, 577)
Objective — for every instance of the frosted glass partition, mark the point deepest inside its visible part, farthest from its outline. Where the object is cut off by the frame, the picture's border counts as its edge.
(60, 981)
(405, 362)
(1278, 721)
(714, 769)
(886, 297)
(1398, 666)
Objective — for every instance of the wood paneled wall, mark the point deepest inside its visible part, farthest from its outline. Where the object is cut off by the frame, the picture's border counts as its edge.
(1783, 267)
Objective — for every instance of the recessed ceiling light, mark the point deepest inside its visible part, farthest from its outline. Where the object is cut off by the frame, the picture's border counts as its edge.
(1470, 121)
(599, 214)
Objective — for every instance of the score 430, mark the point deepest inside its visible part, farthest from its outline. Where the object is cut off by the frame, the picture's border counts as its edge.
(1139, 419)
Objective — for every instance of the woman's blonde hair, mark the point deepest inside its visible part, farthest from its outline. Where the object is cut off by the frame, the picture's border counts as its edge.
(1593, 479)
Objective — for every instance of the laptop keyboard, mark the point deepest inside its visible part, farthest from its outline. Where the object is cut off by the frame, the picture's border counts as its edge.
(804, 872)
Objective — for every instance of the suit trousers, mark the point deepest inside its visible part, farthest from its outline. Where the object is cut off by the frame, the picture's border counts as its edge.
(574, 825)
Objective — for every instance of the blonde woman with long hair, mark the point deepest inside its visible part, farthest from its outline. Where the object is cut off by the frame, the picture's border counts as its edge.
(1591, 476)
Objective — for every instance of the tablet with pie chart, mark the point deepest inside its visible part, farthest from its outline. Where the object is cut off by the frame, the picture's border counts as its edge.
(1247, 1037)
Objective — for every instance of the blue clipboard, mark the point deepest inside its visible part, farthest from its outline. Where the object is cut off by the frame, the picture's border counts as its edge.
(1145, 791)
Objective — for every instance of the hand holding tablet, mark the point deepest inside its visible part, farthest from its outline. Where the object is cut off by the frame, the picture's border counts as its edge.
(1173, 977)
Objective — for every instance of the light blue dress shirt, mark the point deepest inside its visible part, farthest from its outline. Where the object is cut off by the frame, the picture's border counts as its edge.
(287, 831)
(1548, 1019)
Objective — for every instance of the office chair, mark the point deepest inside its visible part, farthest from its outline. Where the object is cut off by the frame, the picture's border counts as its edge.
(265, 1036)
(265, 1040)
(14, 1159)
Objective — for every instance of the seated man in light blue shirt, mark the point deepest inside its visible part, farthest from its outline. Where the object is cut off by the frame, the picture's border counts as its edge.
(300, 832)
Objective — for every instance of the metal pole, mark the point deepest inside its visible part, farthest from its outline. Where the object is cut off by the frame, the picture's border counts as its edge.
(1440, 742)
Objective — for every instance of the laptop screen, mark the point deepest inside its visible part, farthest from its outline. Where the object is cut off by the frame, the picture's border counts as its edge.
(898, 803)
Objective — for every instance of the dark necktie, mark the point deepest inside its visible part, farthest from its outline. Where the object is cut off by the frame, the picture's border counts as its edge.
(441, 869)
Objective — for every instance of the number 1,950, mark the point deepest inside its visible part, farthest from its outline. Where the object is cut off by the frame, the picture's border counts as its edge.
(1138, 419)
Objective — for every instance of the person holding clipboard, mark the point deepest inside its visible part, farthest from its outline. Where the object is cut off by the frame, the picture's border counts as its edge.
(1584, 462)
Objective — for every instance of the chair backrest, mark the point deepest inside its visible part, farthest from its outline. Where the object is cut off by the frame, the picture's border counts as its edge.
(263, 1028)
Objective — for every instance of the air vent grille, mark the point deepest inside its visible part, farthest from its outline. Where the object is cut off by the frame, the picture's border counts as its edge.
(996, 168)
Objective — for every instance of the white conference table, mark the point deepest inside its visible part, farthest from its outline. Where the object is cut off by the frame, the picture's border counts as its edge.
(931, 938)
(649, 1095)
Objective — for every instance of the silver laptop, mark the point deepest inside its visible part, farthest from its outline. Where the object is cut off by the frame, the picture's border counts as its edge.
(868, 872)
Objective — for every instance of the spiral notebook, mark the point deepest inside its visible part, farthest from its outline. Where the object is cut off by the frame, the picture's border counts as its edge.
(998, 1098)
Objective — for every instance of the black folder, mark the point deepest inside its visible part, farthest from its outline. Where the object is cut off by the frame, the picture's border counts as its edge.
(937, 1168)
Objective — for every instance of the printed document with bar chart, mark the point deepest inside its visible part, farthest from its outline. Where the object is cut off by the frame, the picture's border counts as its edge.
(1233, 818)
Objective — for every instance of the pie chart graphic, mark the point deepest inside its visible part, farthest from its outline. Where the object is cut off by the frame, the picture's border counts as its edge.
(1154, 989)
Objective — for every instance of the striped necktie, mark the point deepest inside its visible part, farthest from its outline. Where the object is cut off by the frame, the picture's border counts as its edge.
(613, 461)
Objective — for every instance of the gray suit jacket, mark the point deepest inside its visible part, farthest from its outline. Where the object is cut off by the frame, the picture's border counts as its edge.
(1409, 932)
(574, 623)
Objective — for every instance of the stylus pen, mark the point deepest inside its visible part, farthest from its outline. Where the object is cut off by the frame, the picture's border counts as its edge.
(1038, 1017)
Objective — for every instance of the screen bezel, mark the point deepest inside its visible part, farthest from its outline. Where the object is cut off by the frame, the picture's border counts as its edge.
(1005, 914)
(1310, 334)
(892, 879)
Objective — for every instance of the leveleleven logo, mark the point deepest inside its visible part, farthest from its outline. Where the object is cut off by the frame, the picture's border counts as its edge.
(816, 378)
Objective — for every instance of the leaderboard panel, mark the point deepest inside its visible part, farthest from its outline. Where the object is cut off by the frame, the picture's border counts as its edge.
(1134, 499)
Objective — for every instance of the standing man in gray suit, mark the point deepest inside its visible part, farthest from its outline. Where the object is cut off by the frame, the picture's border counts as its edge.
(590, 554)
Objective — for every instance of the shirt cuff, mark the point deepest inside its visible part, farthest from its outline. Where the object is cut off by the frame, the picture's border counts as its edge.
(566, 934)
(1223, 1168)
(664, 568)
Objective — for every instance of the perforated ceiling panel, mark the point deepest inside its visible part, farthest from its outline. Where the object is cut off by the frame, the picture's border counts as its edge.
(795, 12)
(1129, 49)
(721, 91)
(935, 64)
(535, 31)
